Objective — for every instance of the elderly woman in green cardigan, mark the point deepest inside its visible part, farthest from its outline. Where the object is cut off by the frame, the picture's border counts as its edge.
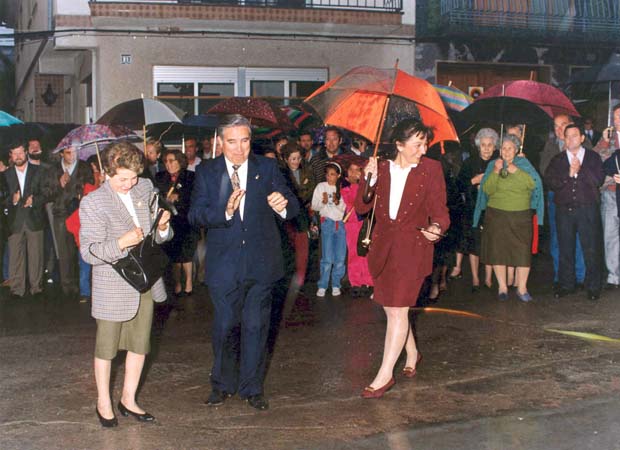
(510, 189)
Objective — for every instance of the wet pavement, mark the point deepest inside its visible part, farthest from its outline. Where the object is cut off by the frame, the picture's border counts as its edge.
(500, 381)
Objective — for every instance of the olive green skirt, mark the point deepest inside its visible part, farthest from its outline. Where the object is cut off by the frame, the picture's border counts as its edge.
(133, 335)
(507, 238)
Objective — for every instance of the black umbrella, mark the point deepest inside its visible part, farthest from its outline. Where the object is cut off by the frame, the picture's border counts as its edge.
(504, 110)
(605, 73)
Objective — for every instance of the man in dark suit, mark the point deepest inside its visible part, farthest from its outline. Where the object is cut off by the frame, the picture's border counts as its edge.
(575, 176)
(238, 197)
(66, 184)
(25, 201)
(591, 133)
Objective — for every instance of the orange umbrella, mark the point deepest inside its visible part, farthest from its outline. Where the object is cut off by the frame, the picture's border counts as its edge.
(370, 101)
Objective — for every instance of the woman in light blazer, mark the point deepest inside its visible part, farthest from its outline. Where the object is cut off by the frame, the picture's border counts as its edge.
(113, 219)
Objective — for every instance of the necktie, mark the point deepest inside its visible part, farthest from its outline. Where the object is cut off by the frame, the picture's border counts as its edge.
(234, 178)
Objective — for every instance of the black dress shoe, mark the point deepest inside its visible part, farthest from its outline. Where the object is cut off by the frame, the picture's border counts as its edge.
(594, 295)
(561, 292)
(146, 417)
(258, 401)
(106, 423)
(217, 398)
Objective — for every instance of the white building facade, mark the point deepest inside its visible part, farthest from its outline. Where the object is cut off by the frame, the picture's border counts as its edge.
(98, 53)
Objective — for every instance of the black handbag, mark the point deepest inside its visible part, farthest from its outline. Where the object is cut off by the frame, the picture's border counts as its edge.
(144, 264)
(364, 237)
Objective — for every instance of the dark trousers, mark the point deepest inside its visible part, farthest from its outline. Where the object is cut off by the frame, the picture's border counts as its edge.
(585, 220)
(67, 257)
(239, 335)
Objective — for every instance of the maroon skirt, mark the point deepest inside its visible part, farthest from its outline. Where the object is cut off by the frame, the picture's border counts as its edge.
(393, 288)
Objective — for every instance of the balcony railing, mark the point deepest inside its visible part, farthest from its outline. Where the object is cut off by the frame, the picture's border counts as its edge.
(597, 20)
(368, 5)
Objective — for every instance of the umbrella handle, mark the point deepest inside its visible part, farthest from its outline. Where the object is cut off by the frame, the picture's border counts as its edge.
(367, 197)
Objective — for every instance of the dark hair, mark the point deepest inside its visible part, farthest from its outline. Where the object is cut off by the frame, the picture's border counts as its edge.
(157, 145)
(18, 143)
(178, 155)
(574, 125)
(191, 138)
(122, 155)
(334, 165)
(92, 159)
(304, 133)
(615, 108)
(333, 128)
(233, 120)
(289, 148)
(410, 127)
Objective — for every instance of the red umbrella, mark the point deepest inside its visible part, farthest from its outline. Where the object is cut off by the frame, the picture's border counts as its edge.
(548, 98)
(260, 112)
(370, 101)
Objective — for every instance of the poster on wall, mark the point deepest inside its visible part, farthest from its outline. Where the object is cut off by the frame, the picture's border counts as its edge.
(475, 91)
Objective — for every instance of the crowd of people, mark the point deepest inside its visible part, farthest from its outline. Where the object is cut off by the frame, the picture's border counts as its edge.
(235, 202)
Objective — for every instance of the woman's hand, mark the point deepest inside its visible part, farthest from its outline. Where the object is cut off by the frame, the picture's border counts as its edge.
(371, 167)
(617, 178)
(512, 168)
(164, 221)
(497, 167)
(131, 238)
(477, 179)
(432, 232)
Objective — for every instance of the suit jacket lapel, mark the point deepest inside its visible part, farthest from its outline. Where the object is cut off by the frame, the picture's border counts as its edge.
(30, 173)
(120, 206)
(251, 191)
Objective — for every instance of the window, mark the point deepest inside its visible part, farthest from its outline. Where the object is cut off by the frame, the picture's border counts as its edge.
(213, 90)
(196, 89)
(267, 88)
(174, 94)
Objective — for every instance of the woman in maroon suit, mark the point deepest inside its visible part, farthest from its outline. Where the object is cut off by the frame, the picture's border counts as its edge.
(410, 215)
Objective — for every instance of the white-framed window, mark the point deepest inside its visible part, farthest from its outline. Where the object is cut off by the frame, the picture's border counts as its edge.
(283, 82)
(196, 89)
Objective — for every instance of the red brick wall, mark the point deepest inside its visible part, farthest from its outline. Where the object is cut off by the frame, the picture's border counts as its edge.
(242, 13)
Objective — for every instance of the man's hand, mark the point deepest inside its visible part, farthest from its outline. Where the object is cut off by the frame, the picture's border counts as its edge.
(173, 198)
(607, 133)
(234, 201)
(28, 202)
(575, 165)
(277, 202)
(16, 197)
(64, 179)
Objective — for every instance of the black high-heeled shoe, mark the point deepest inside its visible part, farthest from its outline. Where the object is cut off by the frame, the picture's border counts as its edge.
(146, 417)
(106, 423)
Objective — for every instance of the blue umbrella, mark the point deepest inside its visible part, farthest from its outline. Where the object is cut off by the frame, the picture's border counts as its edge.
(6, 120)
(202, 121)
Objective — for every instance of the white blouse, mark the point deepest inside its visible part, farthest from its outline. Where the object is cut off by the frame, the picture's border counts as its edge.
(398, 177)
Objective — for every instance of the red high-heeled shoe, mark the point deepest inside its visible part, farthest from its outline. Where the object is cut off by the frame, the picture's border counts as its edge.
(410, 372)
(370, 392)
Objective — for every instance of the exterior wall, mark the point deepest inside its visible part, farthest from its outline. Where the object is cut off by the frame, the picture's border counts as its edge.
(119, 82)
(560, 59)
(56, 112)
